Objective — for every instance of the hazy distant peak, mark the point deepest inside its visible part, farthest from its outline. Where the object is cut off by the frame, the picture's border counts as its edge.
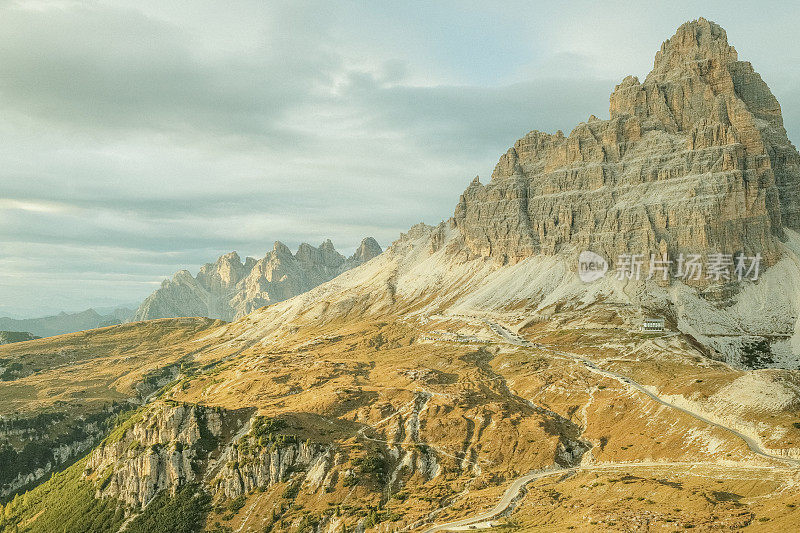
(227, 288)
(281, 248)
(368, 249)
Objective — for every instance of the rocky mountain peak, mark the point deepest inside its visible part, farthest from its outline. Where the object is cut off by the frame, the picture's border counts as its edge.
(228, 289)
(368, 249)
(281, 248)
(696, 42)
(326, 255)
(694, 159)
(697, 79)
(226, 272)
(230, 257)
(330, 257)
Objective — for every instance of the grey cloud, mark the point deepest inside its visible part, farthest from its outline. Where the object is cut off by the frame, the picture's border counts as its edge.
(159, 138)
(117, 68)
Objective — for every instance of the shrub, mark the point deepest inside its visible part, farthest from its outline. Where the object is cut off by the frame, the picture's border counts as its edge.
(182, 513)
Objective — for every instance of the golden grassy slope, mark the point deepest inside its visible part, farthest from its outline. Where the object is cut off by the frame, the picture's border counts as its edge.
(459, 413)
(498, 407)
(89, 368)
(662, 498)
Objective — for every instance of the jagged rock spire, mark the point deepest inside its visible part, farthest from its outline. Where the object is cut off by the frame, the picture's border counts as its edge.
(227, 288)
(694, 159)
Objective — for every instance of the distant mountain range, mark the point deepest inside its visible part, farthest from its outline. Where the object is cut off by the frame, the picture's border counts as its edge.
(65, 322)
(226, 289)
(230, 288)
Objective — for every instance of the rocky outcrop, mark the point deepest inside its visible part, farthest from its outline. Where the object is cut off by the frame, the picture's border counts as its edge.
(25, 440)
(174, 444)
(230, 288)
(232, 453)
(693, 160)
(62, 455)
(247, 468)
(368, 249)
(162, 450)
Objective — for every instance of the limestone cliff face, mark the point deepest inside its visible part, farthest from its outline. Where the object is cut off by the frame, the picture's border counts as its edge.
(693, 160)
(229, 288)
(171, 444)
(246, 469)
(62, 453)
(164, 449)
(230, 454)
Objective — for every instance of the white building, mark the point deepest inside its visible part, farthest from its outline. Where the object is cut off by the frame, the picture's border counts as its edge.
(651, 325)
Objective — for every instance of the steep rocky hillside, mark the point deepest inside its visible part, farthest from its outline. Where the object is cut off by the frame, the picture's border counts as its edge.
(229, 289)
(59, 396)
(409, 422)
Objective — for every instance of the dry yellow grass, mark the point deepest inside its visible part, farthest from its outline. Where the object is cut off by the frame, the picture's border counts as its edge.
(457, 412)
(86, 369)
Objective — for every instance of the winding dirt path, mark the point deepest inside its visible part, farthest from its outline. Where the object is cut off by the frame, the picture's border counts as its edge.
(754, 446)
(483, 520)
(508, 497)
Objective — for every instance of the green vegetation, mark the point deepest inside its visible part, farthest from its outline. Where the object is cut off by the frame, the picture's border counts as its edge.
(65, 503)
(265, 432)
(182, 513)
(32, 456)
(373, 465)
(264, 426)
(123, 422)
(292, 490)
(8, 337)
(756, 353)
(308, 523)
(48, 431)
(237, 503)
(13, 371)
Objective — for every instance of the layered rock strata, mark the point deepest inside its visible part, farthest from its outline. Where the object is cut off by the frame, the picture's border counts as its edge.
(693, 160)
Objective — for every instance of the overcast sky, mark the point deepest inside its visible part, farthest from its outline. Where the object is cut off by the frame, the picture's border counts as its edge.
(138, 138)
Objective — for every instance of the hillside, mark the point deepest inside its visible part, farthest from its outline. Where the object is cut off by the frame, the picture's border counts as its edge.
(60, 395)
(8, 337)
(467, 377)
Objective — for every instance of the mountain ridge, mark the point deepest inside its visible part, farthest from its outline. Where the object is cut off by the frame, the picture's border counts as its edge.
(231, 288)
(677, 169)
(64, 322)
(693, 160)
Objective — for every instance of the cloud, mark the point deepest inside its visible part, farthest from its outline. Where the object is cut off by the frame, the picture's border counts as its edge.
(142, 137)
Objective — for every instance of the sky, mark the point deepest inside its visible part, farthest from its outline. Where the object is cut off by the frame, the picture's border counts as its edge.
(139, 138)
